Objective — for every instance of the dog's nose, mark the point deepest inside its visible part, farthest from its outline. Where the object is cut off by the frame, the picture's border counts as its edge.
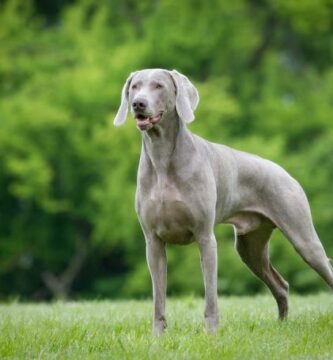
(140, 104)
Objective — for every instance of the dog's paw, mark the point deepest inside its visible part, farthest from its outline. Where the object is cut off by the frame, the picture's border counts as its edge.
(212, 324)
(159, 327)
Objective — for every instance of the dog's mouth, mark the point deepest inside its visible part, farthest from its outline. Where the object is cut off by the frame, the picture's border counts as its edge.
(145, 122)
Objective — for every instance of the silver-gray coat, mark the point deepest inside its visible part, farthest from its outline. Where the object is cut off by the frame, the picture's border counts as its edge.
(186, 185)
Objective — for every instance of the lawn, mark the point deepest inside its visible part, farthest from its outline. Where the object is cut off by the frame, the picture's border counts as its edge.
(121, 330)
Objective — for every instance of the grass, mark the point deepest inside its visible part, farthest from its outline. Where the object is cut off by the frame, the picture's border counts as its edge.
(121, 330)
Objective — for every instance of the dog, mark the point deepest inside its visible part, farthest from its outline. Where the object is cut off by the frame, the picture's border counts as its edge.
(186, 185)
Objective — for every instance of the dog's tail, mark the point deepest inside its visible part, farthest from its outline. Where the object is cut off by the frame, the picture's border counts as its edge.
(330, 261)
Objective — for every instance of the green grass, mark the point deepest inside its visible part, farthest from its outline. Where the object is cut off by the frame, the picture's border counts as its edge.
(122, 330)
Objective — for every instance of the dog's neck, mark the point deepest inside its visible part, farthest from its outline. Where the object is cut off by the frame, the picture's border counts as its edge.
(159, 144)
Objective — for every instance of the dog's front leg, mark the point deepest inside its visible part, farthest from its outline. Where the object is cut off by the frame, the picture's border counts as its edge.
(208, 256)
(157, 263)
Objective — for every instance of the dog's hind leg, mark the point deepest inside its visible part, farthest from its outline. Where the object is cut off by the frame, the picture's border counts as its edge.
(253, 249)
(295, 221)
(306, 242)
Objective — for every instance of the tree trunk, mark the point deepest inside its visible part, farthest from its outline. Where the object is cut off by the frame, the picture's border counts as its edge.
(60, 286)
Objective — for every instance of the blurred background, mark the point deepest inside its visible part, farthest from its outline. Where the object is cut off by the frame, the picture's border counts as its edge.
(68, 228)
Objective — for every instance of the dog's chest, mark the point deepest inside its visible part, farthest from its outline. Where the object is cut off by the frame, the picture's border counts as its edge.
(167, 213)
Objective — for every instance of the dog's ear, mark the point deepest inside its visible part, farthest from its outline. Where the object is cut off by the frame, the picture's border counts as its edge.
(187, 97)
(123, 108)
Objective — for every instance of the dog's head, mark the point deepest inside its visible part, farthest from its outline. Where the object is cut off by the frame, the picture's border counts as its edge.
(153, 93)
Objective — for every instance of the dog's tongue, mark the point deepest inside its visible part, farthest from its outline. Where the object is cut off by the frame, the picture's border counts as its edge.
(147, 123)
(143, 121)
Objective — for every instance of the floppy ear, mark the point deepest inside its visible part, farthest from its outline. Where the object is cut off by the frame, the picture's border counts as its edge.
(187, 97)
(123, 108)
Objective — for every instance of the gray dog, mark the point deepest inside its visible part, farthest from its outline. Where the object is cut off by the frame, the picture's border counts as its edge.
(186, 185)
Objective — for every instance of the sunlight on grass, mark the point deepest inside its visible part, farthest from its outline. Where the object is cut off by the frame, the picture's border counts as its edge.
(121, 330)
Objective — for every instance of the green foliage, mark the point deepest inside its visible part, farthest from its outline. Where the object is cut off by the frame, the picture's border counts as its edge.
(122, 330)
(67, 177)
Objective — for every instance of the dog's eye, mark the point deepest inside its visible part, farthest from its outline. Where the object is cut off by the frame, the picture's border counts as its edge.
(134, 86)
(158, 86)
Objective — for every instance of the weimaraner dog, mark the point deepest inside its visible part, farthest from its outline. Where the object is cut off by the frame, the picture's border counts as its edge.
(186, 185)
